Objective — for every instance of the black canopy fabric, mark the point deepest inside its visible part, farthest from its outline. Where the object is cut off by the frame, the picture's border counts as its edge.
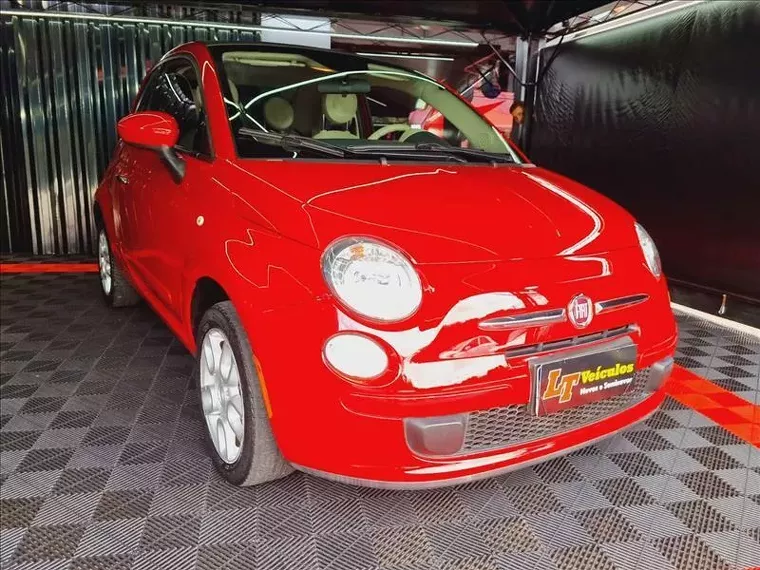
(507, 16)
(663, 116)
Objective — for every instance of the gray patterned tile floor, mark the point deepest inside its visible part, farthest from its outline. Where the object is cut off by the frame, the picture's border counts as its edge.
(103, 465)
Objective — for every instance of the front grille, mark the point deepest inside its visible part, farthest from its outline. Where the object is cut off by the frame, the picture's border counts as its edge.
(512, 425)
(574, 342)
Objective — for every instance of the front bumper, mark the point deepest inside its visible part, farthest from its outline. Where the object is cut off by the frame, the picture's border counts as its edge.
(501, 463)
(372, 433)
(437, 453)
(509, 426)
(372, 436)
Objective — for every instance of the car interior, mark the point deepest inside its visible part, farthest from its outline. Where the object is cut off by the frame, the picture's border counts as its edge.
(175, 90)
(290, 93)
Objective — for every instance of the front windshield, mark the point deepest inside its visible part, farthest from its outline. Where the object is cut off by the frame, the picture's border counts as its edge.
(346, 102)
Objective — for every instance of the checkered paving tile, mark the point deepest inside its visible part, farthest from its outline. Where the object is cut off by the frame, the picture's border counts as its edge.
(103, 465)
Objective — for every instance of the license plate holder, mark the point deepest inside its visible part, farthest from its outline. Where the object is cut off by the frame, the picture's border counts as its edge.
(560, 382)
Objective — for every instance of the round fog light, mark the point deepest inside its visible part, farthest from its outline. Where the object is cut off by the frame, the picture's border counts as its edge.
(356, 356)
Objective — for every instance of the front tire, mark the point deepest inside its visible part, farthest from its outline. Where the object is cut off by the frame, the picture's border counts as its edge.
(237, 425)
(116, 289)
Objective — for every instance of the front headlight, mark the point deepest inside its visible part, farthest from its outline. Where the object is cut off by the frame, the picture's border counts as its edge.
(372, 279)
(651, 255)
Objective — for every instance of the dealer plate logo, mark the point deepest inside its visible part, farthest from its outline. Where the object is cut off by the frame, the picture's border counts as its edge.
(582, 379)
(580, 311)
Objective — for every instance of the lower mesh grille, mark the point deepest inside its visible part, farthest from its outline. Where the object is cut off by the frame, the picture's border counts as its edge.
(511, 425)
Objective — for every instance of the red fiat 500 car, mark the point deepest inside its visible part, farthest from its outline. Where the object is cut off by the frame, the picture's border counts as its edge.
(369, 301)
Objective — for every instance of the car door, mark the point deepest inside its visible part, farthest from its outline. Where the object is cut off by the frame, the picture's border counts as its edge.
(128, 187)
(164, 212)
(126, 175)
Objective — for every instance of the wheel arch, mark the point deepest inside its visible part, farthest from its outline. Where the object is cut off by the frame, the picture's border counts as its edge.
(103, 215)
(97, 213)
(207, 292)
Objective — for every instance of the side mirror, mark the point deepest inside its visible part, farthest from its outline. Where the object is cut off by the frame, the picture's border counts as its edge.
(157, 131)
(149, 129)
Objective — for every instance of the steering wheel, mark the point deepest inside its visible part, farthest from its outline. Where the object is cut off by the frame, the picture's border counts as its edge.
(394, 128)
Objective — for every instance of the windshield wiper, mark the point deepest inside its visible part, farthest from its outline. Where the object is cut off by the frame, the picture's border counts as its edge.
(407, 151)
(292, 143)
(419, 151)
(473, 152)
(432, 150)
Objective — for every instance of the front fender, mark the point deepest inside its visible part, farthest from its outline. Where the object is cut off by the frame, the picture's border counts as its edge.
(104, 203)
(107, 201)
(260, 271)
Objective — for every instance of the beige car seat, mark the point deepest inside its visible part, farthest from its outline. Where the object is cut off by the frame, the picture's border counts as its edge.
(307, 105)
(339, 109)
(278, 113)
(234, 92)
(197, 99)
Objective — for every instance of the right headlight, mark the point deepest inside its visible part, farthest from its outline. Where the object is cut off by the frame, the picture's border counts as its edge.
(372, 279)
(651, 255)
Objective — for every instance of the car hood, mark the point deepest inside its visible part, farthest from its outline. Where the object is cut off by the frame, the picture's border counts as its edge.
(440, 214)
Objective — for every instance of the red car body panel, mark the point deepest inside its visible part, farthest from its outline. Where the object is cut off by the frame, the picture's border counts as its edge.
(258, 229)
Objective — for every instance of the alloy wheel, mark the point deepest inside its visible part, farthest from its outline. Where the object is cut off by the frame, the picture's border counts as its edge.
(222, 395)
(104, 263)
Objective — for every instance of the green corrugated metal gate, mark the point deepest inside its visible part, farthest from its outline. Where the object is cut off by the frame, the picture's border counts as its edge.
(65, 83)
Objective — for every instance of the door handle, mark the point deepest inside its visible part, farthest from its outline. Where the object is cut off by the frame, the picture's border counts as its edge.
(123, 179)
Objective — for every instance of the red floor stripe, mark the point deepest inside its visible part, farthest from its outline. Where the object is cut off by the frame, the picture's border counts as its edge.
(731, 412)
(48, 267)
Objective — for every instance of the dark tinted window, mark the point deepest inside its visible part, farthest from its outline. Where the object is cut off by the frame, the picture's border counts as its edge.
(174, 89)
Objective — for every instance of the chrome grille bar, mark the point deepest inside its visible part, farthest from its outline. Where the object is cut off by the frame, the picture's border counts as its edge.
(619, 303)
(525, 320)
(569, 342)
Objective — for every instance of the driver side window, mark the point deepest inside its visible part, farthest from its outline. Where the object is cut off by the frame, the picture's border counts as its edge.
(174, 88)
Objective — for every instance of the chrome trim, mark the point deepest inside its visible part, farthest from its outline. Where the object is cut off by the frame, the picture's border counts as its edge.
(570, 342)
(524, 320)
(437, 484)
(620, 342)
(619, 303)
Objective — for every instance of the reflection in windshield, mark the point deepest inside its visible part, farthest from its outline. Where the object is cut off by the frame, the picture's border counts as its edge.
(347, 101)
